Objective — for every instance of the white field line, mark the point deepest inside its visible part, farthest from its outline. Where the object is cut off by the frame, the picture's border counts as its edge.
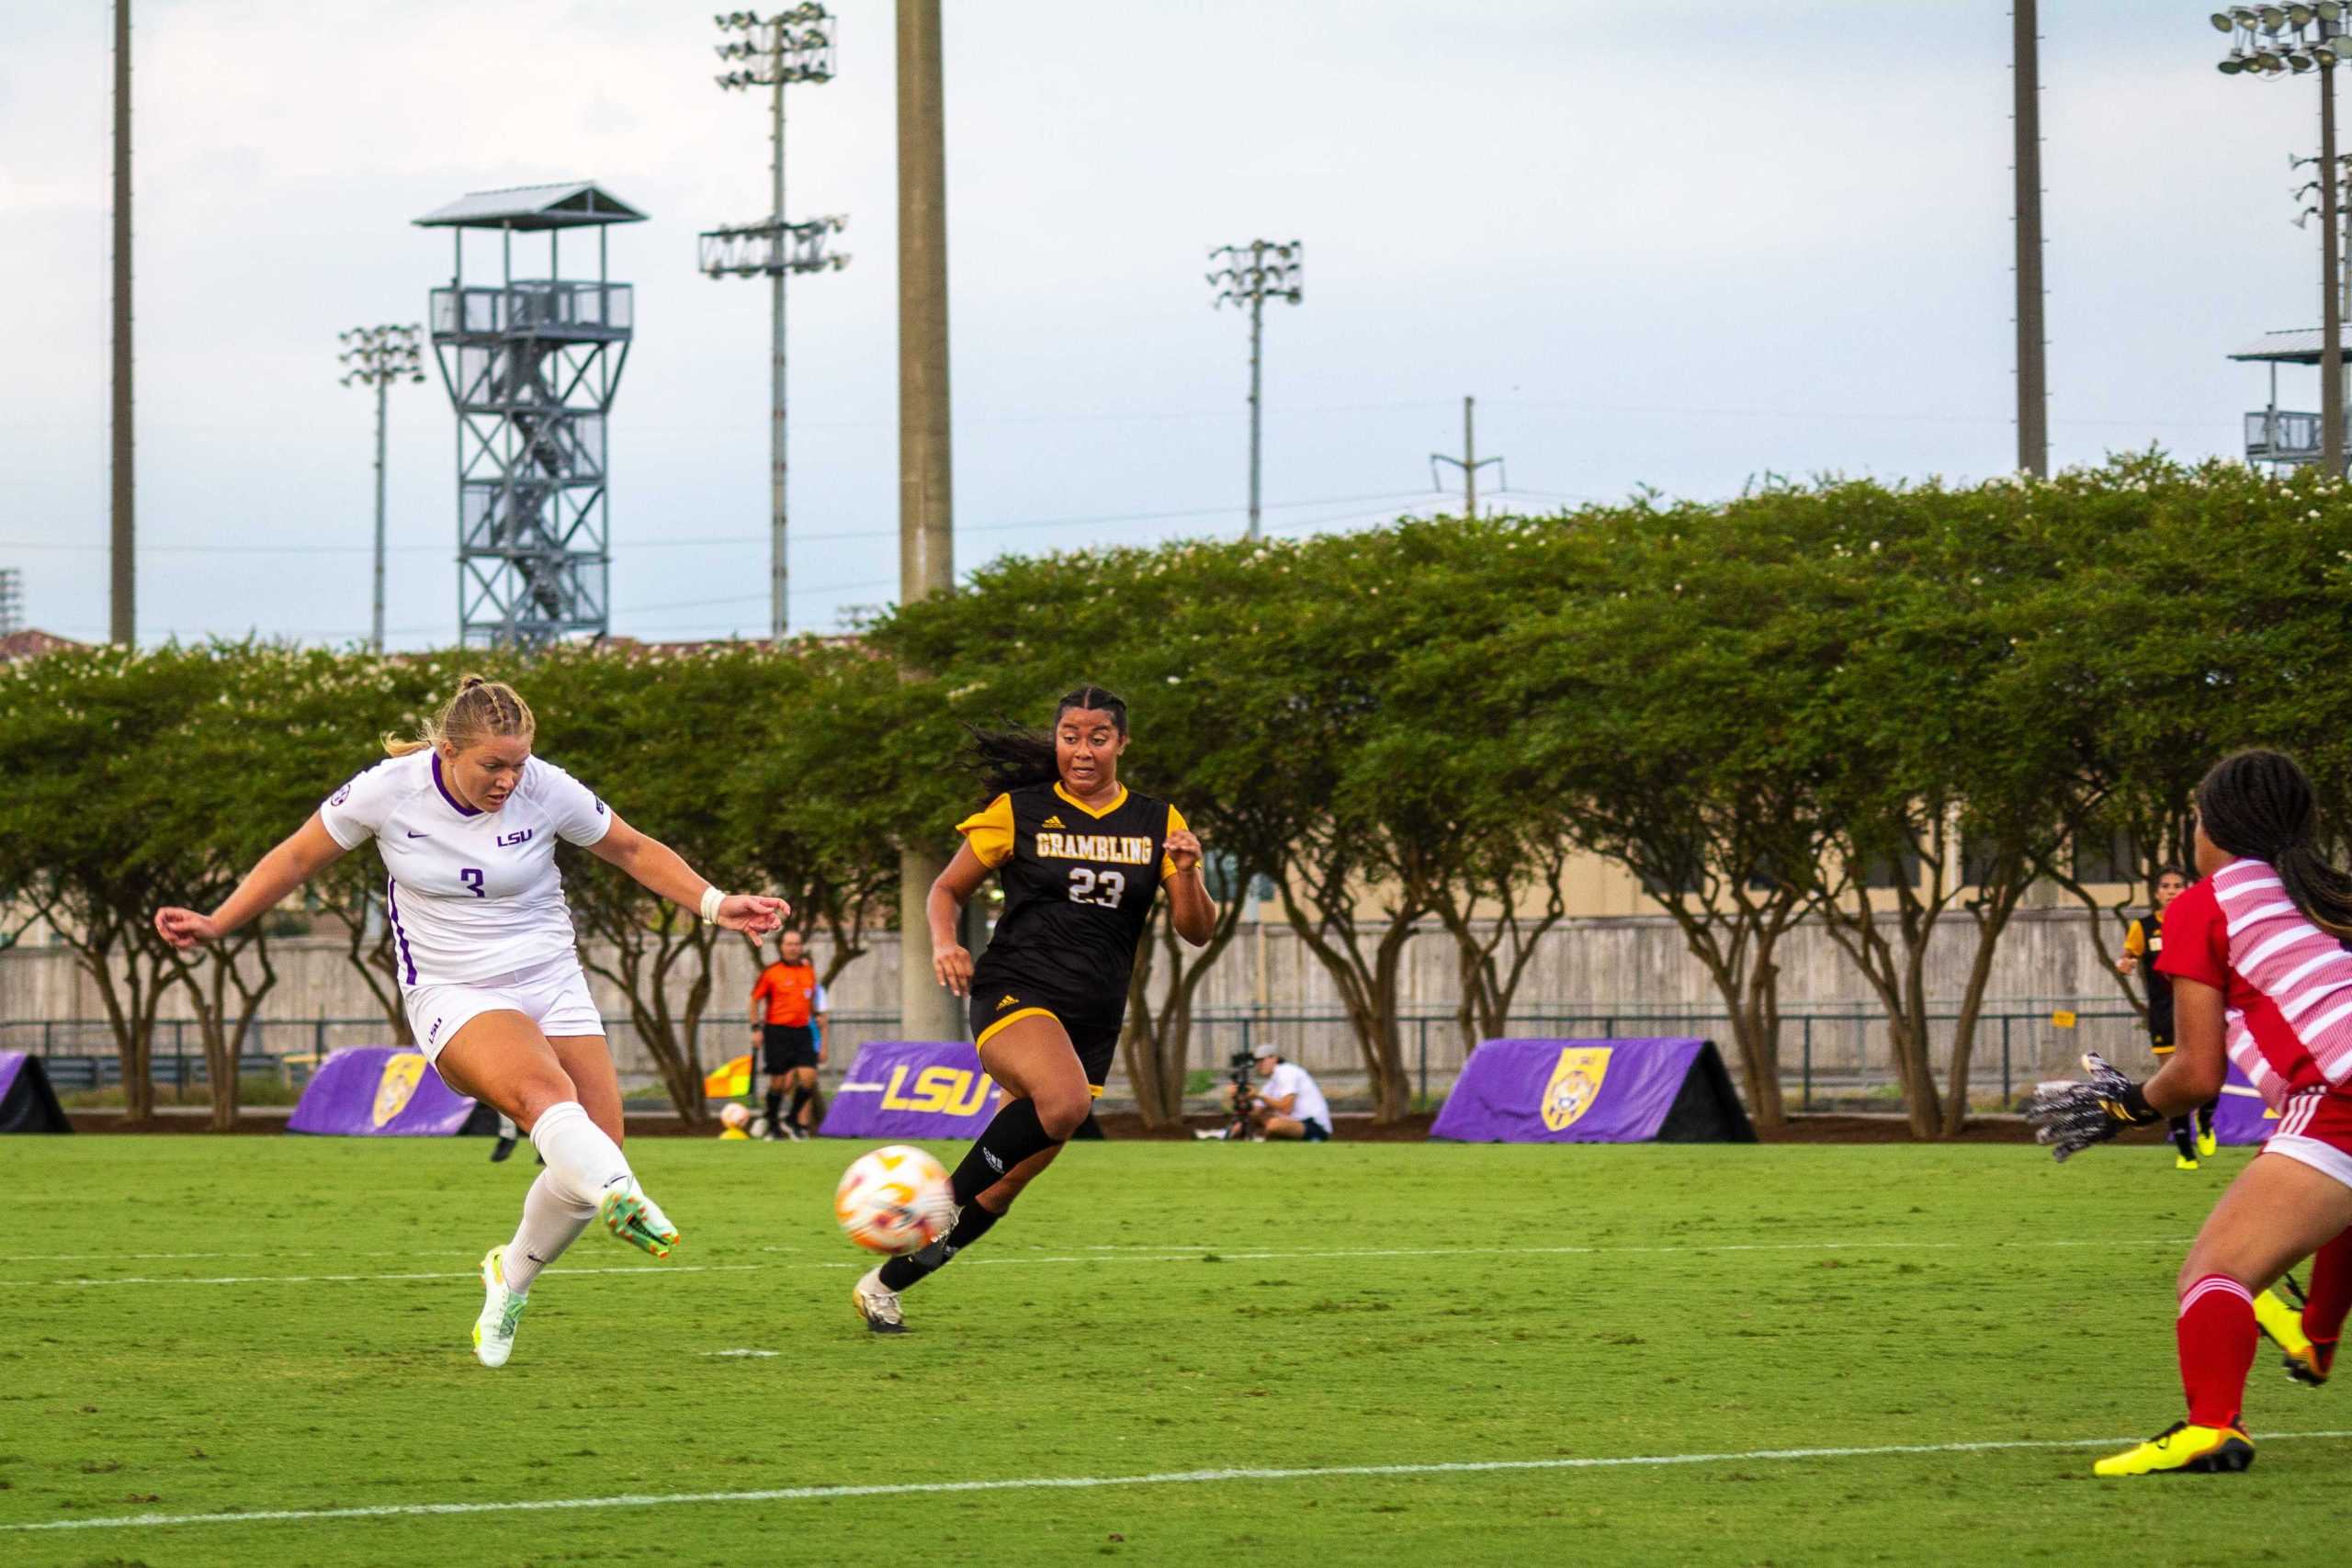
(1195, 1255)
(1088, 1483)
(648, 1270)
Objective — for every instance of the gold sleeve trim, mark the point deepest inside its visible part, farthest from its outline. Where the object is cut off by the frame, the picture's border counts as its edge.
(1176, 824)
(990, 831)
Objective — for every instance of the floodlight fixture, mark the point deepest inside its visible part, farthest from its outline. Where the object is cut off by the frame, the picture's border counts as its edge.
(2297, 40)
(377, 356)
(792, 46)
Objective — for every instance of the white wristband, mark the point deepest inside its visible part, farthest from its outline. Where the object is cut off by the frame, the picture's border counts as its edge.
(711, 900)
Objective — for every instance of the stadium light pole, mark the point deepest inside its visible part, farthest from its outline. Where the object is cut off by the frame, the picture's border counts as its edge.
(1251, 275)
(774, 52)
(377, 356)
(2033, 349)
(122, 609)
(2270, 41)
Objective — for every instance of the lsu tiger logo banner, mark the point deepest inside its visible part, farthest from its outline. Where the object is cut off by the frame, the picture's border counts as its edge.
(1575, 1087)
(379, 1091)
(1622, 1090)
(398, 1086)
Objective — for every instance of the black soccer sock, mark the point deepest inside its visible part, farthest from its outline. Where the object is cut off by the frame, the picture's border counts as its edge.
(775, 1104)
(916, 1267)
(799, 1103)
(2184, 1135)
(1011, 1137)
(2206, 1113)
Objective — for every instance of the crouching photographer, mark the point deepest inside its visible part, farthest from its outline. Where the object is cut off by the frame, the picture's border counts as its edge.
(1287, 1105)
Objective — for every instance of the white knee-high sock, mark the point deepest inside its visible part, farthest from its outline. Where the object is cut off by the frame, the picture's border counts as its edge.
(583, 1163)
(551, 1222)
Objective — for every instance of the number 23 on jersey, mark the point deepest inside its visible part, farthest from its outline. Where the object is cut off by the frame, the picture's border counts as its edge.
(1088, 886)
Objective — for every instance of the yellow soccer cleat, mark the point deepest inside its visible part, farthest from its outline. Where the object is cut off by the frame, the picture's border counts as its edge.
(2183, 1449)
(2282, 1320)
(2208, 1143)
(2184, 1162)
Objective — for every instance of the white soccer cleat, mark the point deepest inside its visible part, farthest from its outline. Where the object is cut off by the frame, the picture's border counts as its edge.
(502, 1309)
(878, 1306)
(629, 1214)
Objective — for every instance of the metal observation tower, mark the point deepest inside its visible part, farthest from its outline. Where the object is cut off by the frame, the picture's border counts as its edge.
(532, 365)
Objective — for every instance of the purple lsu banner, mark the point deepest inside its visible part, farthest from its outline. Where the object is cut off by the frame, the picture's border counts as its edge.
(1569, 1091)
(911, 1088)
(379, 1091)
(2242, 1117)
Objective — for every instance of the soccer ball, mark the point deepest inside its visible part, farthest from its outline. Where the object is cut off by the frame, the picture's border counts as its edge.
(895, 1200)
(734, 1117)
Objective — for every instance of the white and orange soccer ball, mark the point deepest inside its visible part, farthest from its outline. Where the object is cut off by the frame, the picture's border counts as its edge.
(895, 1200)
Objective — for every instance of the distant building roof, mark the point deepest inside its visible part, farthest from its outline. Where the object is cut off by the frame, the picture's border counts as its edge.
(2301, 346)
(31, 644)
(567, 205)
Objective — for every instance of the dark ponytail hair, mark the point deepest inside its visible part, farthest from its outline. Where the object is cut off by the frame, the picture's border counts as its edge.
(1016, 758)
(2259, 804)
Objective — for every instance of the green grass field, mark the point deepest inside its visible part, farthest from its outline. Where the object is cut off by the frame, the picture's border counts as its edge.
(200, 1327)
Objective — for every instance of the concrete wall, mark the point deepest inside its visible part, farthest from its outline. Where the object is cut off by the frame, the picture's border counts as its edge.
(1626, 974)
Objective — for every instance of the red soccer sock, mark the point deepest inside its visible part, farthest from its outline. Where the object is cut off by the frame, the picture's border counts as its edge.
(2217, 1337)
(2330, 1296)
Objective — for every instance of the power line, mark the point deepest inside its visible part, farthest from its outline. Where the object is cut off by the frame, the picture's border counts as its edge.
(718, 539)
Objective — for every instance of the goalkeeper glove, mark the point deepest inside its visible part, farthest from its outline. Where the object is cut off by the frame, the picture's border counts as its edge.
(2070, 1116)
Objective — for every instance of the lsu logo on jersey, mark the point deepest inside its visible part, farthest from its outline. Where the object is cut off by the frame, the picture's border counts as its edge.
(951, 1091)
(1574, 1086)
(403, 1072)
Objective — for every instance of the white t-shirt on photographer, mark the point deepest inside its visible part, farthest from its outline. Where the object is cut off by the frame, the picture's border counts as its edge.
(1289, 1079)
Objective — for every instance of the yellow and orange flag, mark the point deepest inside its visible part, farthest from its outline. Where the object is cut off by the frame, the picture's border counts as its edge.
(730, 1080)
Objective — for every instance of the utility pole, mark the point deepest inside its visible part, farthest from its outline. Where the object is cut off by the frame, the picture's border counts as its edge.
(377, 356)
(792, 46)
(1251, 275)
(2033, 385)
(1469, 462)
(122, 620)
(926, 497)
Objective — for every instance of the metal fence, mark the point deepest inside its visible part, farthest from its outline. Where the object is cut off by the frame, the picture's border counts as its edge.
(1831, 1058)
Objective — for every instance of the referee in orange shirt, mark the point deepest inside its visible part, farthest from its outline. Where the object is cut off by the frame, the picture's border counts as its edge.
(785, 1003)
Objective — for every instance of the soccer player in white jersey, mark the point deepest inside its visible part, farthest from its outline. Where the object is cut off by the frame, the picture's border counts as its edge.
(467, 820)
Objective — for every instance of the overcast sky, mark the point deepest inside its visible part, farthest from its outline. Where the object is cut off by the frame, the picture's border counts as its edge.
(1683, 250)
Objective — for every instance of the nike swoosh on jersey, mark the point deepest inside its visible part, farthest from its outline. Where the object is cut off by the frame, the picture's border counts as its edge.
(414, 834)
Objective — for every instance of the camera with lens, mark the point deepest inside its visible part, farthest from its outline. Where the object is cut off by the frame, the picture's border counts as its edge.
(1240, 1071)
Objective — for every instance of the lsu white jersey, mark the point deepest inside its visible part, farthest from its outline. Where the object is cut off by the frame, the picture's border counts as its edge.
(471, 893)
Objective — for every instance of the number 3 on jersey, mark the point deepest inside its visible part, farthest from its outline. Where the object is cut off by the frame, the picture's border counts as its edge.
(1088, 886)
(471, 877)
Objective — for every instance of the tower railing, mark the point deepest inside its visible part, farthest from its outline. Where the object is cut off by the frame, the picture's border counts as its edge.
(536, 307)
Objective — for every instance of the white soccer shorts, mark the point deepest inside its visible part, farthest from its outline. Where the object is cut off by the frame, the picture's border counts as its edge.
(553, 995)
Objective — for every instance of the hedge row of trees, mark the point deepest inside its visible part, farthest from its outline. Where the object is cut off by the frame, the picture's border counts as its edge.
(1888, 710)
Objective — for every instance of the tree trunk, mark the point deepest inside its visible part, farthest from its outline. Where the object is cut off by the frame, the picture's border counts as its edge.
(374, 959)
(1367, 989)
(1154, 1100)
(647, 954)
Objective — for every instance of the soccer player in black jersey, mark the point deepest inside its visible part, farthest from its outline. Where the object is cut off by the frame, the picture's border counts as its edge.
(1080, 857)
(2145, 941)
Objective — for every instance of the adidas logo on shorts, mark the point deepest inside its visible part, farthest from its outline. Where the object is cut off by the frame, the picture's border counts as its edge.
(1008, 1002)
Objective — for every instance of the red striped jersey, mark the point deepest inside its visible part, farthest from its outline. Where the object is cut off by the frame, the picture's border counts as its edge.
(2286, 983)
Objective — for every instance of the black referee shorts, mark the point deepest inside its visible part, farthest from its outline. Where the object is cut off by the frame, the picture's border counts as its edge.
(785, 1047)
